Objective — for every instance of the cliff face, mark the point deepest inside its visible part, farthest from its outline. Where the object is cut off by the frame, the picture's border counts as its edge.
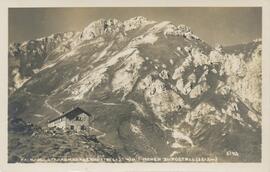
(154, 88)
(26, 59)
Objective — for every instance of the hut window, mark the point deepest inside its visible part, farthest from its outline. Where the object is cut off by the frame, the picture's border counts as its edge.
(72, 127)
(78, 118)
(83, 127)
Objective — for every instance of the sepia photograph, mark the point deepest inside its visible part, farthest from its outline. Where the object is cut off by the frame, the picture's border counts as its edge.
(135, 84)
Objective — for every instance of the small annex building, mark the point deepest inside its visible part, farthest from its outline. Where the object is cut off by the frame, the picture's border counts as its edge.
(76, 119)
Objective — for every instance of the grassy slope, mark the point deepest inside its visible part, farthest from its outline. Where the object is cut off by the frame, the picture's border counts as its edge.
(27, 142)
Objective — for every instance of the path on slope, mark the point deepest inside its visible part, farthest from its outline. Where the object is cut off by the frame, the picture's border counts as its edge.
(138, 107)
(51, 107)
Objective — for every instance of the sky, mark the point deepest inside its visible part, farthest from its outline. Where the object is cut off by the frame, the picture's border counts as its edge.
(223, 25)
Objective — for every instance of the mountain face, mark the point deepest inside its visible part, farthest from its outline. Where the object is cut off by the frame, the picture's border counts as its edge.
(155, 89)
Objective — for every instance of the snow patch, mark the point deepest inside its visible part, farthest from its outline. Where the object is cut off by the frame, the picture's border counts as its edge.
(93, 78)
(178, 136)
(158, 27)
(198, 90)
(164, 74)
(125, 78)
(171, 61)
(103, 52)
(135, 129)
(161, 100)
(136, 22)
(150, 38)
(18, 79)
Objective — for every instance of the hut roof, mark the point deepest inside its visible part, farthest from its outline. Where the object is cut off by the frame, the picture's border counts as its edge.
(71, 114)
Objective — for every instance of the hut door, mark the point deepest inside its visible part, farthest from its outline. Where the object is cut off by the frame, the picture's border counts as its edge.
(83, 128)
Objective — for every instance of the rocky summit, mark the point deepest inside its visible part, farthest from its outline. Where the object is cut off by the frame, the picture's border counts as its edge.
(155, 89)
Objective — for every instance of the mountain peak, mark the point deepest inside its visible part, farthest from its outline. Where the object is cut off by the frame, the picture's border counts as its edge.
(112, 25)
(100, 27)
(136, 22)
(139, 19)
